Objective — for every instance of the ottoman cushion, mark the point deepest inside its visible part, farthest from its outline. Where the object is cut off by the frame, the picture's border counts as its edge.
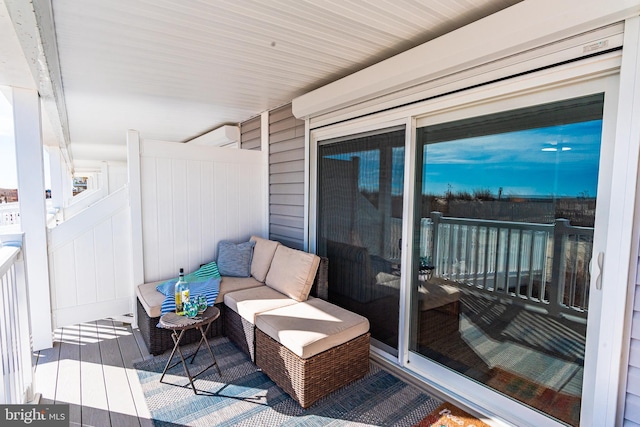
(311, 327)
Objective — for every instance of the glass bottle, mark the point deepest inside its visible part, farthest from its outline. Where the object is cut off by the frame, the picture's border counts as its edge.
(181, 292)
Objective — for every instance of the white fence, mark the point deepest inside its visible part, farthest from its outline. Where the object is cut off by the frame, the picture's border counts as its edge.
(9, 214)
(16, 386)
(90, 262)
(544, 264)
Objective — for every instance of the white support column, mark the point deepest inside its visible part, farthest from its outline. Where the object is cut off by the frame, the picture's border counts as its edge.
(33, 212)
(264, 146)
(135, 206)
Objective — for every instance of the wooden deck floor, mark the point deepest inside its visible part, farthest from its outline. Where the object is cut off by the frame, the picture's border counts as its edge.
(90, 367)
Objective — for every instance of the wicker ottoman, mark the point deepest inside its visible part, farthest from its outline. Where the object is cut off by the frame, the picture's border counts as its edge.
(312, 348)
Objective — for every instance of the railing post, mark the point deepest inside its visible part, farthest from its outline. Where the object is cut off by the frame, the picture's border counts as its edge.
(556, 293)
(435, 223)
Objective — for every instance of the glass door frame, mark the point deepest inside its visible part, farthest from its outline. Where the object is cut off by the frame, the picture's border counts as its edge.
(594, 75)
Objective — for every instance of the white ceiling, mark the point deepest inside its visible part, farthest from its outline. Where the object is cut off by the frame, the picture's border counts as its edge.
(176, 69)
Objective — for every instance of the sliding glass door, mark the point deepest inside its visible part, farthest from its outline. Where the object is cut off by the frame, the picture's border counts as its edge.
(504, 228)
(360, 196)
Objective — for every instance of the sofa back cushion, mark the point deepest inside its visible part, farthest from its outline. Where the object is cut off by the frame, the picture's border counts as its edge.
(292, 272)
(263, 253)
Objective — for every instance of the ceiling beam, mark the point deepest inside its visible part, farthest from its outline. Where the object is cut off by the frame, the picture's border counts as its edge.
(35, 29)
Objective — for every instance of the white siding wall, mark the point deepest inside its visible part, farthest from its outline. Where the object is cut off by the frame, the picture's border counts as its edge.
(286, 178)
(90, 263)
(192, 197)
(632, 398)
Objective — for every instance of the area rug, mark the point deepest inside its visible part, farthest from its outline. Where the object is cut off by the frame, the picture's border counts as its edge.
(244, 396)
(448, 415)
(564, 407)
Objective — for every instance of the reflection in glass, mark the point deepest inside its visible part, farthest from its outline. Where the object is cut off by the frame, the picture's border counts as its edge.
(505, 208)
(360, 193)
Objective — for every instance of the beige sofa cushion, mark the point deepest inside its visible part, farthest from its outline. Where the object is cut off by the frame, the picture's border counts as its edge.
(232, 284)
(150, 298)
(292, 272)
(311, 327)
(249, 302)
(263, 253)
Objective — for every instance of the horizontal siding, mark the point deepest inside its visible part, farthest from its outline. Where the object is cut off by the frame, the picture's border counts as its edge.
(250, 134)
(286, 178)
(632, 399)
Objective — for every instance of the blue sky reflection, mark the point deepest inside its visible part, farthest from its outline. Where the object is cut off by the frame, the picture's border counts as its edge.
(516, 162)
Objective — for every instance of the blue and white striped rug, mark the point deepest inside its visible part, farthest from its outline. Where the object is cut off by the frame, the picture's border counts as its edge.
(244, 396)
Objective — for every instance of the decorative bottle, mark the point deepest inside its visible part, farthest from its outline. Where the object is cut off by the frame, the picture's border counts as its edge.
(181, 292)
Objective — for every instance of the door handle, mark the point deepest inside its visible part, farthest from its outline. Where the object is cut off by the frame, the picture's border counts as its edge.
(595, 267)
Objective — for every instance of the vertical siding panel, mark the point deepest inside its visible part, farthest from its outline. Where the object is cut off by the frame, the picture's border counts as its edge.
(121, 225)
(64, 269)
(164, 209)
(194, 198)
(150, 228)
(286, 178)
(105, 281)
(220, 197)
(84, 253)
(208, 213)
(180, 215)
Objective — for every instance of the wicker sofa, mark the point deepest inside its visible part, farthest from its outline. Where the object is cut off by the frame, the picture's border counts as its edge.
(279, 317)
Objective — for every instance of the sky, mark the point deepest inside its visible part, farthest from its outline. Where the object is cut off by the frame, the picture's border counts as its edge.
(560, 161)
(8, 171)
(8, 174)
(557, 160)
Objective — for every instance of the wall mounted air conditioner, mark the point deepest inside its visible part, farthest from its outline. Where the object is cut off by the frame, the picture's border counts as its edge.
(224, 136)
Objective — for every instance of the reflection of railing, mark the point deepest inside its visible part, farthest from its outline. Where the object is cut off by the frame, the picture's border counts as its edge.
(540, 263)
(9, 213)
(16, 386)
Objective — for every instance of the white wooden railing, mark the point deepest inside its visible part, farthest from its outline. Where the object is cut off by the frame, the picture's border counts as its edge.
(9, 214)
(543, 264)
(16, 386)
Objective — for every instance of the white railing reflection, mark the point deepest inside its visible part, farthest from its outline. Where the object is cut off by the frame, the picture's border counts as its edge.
(16, 386)
(544, 264)
(9, 214)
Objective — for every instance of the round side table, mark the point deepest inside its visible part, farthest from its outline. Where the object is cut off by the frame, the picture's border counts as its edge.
(178, 325)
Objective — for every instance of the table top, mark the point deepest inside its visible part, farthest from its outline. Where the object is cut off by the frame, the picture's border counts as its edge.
(176, 322)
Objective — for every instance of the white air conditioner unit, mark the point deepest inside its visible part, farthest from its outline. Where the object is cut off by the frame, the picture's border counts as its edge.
(224, 136)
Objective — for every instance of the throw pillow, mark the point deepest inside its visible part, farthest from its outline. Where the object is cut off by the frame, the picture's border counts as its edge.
(234, 260)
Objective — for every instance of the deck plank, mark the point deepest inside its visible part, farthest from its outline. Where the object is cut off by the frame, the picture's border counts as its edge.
(130, 353)
(95, 409)
(46, 372)
(121, 403)
(141, 345)
(68, 383)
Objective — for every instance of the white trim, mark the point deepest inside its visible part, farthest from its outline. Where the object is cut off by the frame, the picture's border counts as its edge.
(265, 148)
(408, 217)
(307, 183)
(524, 26)
(620, 242)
